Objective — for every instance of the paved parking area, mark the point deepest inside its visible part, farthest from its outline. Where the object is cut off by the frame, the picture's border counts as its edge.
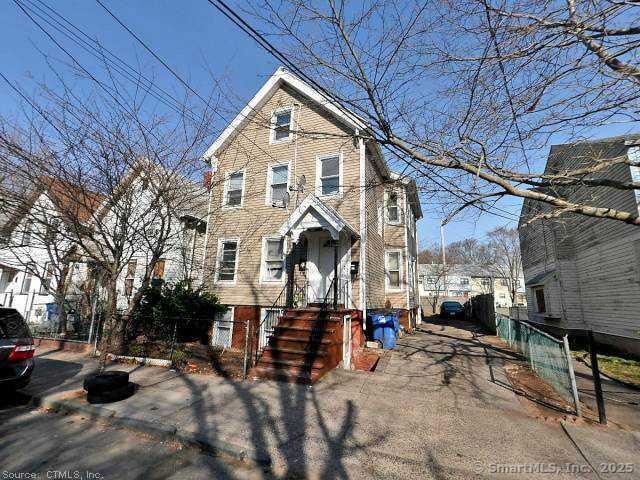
(438, 407)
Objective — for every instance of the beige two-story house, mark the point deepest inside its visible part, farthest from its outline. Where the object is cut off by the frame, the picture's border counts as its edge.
(304, 212)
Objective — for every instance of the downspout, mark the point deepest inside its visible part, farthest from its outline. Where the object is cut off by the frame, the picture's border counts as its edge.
(406, 245)
(363, 234)
(417, 280)
(298, 108)
(206, 233)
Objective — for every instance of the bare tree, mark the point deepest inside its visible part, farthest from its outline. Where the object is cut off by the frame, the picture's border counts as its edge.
(126, 168)
(435, 283)
(468, 251)
(504, 248)
(468, 94)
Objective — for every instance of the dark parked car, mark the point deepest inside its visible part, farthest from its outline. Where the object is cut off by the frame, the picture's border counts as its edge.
(16, 350)
(451, 309)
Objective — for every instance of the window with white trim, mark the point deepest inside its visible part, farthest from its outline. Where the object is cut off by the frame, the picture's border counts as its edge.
(26, 234)
(272, 259)
(281, 125)
(222, 332)
(26, 282)
(46, 285)
(394, 269)
(234, 189)
(329, 175)
(393, 207)
(278, 178)
(227, 260)
(130, 277)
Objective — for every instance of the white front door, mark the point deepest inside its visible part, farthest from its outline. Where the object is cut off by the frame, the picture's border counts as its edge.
(319, 264)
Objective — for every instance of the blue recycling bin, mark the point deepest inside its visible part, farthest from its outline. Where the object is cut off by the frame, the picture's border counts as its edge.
(385, 325)
(389, 337)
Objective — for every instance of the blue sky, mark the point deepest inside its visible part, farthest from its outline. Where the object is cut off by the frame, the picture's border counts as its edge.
(194, 39)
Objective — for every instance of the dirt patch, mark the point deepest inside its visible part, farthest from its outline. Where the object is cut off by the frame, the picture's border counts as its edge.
(193, 357)
(204, 359)
(538, 395)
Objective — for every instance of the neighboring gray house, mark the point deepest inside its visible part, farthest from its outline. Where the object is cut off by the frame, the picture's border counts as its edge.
(583, 272)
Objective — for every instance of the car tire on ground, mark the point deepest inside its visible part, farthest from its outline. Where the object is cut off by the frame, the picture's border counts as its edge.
(106, 381)
(114, 395)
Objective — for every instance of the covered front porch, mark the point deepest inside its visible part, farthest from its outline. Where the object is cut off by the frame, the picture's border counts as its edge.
(319, 267)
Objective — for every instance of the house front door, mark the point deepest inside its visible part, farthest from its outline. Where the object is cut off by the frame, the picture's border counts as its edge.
(320, 265)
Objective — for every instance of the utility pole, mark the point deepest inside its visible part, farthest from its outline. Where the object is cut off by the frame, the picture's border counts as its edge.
(444, 258)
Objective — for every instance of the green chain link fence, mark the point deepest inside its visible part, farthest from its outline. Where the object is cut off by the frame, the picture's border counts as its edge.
(548, 356)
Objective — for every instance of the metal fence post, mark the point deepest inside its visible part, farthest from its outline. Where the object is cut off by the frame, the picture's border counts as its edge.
(247, 326)
(574, 386)
(173, 340)
(593, 354)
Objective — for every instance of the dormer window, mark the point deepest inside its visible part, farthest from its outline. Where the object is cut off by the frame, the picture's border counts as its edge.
(281, 125)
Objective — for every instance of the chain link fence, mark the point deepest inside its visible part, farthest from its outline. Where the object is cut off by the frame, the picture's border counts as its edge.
(45, 323)
(217, 345)
(548, 356)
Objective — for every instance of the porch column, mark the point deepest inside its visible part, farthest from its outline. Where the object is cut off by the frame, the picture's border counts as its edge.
(336, 244)
(290, 273)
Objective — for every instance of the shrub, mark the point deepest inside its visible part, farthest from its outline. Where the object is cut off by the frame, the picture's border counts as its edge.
(166, 306)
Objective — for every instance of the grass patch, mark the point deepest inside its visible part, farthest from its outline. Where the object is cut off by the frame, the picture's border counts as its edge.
(618, 368)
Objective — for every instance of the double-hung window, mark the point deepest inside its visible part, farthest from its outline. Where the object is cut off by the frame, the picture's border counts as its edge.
(281, 125)
(329, 175)
(393, 207)
(130, 277)
(26, 234)
(45, 285)
(223, 329)
(273, 259)
(234, 189)
(26, 282)
(394, 270)
(278, 177)
(227, 260)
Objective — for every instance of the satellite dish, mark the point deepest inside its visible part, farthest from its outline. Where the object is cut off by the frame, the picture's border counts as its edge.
(301, 183)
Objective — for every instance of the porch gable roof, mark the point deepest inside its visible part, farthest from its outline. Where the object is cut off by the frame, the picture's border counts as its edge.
(314, 213)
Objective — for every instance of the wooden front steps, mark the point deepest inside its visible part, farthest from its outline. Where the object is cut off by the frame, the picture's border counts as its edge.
(305, 345)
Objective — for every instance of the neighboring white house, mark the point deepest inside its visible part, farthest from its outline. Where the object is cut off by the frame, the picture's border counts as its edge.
(35, 243)
(183, 229)
(36, 250)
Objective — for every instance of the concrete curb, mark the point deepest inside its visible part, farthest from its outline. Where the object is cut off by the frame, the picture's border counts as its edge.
(155, 429)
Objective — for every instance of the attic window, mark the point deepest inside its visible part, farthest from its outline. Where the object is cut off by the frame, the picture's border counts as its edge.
(281, 125)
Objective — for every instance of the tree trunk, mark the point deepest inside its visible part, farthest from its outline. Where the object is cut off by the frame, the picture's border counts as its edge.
(60, 296)
(112, 332)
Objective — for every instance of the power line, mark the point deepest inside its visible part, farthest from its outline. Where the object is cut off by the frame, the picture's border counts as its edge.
(97, 50)
(235, 18)
(175, 74)
(79, 65)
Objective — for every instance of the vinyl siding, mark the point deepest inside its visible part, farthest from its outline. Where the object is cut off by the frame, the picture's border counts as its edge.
(250, 150)
(374, 200)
